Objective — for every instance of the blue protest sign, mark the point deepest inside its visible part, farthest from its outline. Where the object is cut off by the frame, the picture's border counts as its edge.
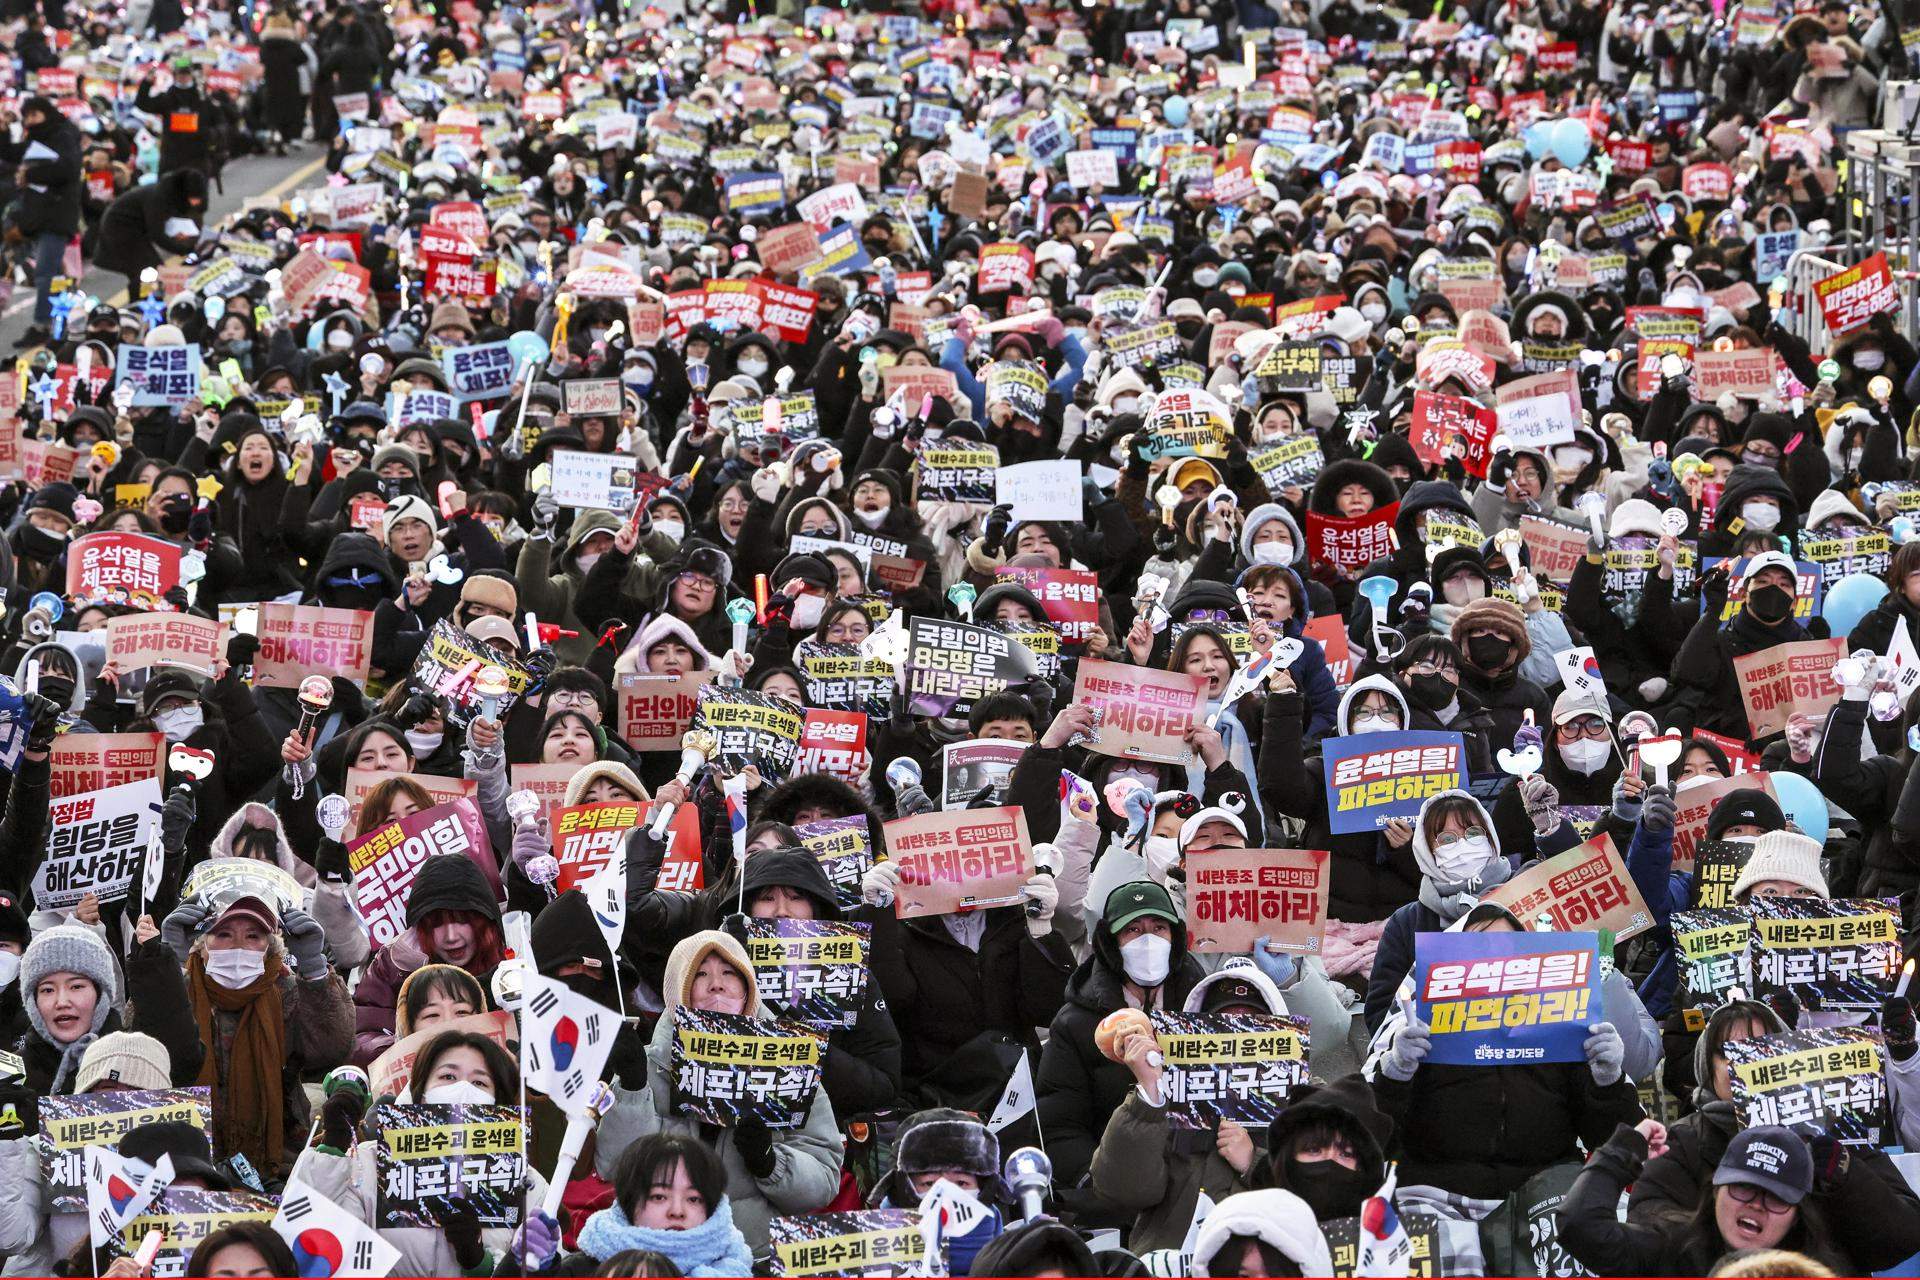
(1494, 998)
(479, 372)
(1372, 777)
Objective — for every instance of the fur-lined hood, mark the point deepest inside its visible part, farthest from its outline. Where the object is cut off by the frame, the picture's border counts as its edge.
(255, 814)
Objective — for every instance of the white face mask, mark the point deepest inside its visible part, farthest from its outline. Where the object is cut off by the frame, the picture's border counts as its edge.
(1162, 853)
(1760, 515)
(423, 744)
(1272, 553)
(1205, 277)
(1587, 756)
(1374, 724)
(1869, 360)
(587, 559)
(873, 519)
(9, 968)
(807, 610)
(1147, 959)
(753, 367)
(1697, 780)
(672, 529)
(1126, 404)
(1464, 857)
(180, 722)
(234, 968)
(340, 339)
(1374, 312)
(460, 1091)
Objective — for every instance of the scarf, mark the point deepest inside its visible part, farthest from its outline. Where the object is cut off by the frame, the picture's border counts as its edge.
(1451, 899)
(714, 1248)
(249, 1113)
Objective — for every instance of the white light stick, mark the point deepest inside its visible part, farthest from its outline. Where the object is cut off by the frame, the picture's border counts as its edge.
(1661, 753)
(1906, 977)
(696, 747)
(599, 1102)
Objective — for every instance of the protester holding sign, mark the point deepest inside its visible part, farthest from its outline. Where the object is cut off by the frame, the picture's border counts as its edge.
(780, 1170)
(452, 919)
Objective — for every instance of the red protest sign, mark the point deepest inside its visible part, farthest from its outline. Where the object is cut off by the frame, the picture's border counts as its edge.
(385, 861)
(1005, 268)
(788, 311)
(548, 782)
(134, 568)
(362, 781)
(1741, 373)
(1707, 182)
(1350, 544)
(1139, 713)
(963, 858)
(1443, 422)
(784, 250)
(83, 762)
(1553, 549)
(1331, 631)
(1852, 297)
(1235, 896)
(297, 640)
(655, 710)
(1070, 597)
(139, 640)
(834, 743)
(1776, 683)
(1586, 888)
(586, 836)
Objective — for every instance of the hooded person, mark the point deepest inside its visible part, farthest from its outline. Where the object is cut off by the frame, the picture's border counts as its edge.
(1139, 961)
(861, 1071)
(1154, 1172)
(549, 588)
(1755, 504)
(770, 1172)
(1630, 632)
(1371, 873)
(1327, 1147)
(255, 831)
(1457, 848)
(944, 1143)
(452, 918)
(1037, 1248)
(1546, 1111)
(1264, 1233)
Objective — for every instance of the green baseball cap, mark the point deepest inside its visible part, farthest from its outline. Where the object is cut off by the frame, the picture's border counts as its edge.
(1141, 898)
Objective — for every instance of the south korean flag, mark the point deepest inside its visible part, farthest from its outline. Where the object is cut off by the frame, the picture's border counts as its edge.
(119, 1190)
(566, 1042)
(327, 1240)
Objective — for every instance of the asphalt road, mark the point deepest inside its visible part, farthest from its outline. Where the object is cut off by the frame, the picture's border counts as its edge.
(260, 175)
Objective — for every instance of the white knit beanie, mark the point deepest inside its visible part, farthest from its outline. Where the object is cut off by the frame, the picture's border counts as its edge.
(1783, 855)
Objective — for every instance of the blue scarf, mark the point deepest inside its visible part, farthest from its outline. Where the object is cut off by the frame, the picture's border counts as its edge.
(714, 1248)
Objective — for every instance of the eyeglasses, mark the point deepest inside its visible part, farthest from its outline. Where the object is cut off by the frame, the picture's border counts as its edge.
(569, 700)
(1449, 841)
(1747, 1193)
(1584, 727)
(1433, 667)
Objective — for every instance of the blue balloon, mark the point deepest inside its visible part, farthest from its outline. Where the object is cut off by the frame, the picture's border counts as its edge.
(1801, 801)
(1176, 110)
(1539, 139)
(528, 347)
(1571, 142)
(1849, 600)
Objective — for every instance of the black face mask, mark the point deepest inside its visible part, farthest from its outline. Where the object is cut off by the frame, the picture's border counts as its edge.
(599, 990)
(59, 689)
(1432, 691)
(176, 516)
(35, 543)
(1330, 1189)
(1488, 652)
(1770, 604)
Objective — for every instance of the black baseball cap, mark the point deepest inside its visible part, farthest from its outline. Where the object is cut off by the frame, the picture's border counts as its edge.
(1771, 1157)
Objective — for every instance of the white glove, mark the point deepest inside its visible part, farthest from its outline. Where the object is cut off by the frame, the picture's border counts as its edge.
(766, 484)
(1411, 1044)
(881, 884)
(1042, 891)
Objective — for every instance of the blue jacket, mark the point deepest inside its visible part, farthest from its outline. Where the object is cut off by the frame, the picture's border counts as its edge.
(1650, 863)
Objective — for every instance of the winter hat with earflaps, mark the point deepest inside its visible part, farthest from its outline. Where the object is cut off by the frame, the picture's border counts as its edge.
(69, 948)
(937, 1140)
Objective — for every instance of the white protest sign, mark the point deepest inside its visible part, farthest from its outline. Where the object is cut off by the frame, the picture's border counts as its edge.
(1093, 169)
(1048, 490)
(95, 843)
(600, 481)
(1537, 421)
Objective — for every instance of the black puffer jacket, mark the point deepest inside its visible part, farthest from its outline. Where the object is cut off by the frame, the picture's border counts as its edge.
(1078, 1088)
